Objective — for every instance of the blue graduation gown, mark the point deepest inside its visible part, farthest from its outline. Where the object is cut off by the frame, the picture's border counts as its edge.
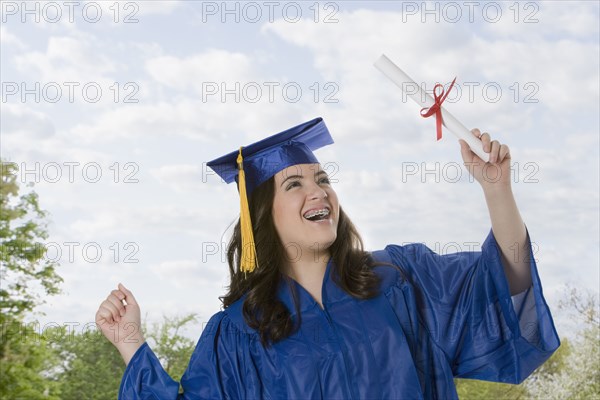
(439, 317)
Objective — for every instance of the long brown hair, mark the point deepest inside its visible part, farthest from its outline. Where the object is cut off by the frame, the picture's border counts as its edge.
(262, 310)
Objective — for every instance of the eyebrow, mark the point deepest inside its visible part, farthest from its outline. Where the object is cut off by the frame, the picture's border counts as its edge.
(321, 172)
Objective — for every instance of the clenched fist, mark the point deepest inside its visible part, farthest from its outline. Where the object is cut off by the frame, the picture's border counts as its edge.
(118, 317)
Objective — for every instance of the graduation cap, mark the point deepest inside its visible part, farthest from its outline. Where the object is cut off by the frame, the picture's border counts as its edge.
(254, 164)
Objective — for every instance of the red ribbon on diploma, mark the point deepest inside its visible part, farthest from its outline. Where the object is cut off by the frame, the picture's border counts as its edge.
(436, 108)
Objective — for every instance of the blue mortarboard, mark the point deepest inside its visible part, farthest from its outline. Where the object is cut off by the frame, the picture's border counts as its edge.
(255, 164)
(265, 158)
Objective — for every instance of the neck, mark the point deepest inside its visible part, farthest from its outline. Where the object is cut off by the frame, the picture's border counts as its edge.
(309, 273)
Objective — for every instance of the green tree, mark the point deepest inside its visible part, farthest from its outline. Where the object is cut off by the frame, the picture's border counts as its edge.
(92, 368)
(26, 276)
(172, 349)
(27, 365)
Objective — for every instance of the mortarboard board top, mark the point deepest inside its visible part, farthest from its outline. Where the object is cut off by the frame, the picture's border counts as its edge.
(265, 158)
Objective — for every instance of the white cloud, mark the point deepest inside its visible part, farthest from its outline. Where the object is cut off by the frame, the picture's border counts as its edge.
(170, 219)
(546, 20)
(213, 65)
(190, 274)
(187, 178)
(20, 120)
(8, 39)
(189, 117)
(68, 59)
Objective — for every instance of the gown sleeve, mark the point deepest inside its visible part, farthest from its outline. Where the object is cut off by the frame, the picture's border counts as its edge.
(463, 301)
(217, 368)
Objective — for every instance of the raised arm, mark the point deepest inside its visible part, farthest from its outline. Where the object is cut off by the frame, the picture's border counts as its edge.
(507, 225)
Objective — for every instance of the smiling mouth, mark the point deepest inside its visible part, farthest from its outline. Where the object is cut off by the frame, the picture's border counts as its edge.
(317, 215)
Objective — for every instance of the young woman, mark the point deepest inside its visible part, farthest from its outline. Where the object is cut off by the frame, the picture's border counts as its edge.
(311, 314)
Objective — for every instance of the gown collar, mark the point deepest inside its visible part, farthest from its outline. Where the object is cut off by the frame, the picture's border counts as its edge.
(289, 289)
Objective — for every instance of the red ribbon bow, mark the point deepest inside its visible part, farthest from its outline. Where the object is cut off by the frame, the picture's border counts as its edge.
(436, 108)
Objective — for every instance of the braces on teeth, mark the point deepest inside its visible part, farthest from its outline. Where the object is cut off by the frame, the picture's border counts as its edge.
(316, 213)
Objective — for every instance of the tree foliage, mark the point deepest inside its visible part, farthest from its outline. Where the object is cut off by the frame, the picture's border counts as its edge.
(25, 274)
(27, 364)
(172, 349)
(91, 369)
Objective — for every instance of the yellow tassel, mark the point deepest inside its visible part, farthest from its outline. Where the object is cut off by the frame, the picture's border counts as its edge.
(248, 257)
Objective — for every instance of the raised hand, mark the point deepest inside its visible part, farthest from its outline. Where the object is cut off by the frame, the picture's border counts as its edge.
(118, 318)
(492, 175)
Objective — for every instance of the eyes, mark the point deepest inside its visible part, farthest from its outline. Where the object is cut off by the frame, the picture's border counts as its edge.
(323, 180)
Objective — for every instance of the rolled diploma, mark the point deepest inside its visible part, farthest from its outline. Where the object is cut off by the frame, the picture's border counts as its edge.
(403, 81)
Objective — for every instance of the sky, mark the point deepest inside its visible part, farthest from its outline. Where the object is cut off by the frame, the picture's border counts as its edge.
(112, 109)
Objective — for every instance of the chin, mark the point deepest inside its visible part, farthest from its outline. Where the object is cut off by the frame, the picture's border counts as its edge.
(326, 243)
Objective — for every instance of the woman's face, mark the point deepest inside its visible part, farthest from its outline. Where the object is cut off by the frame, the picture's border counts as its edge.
(305, 210)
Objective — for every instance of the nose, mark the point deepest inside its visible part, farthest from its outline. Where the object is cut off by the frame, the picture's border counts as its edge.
(316, 192)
